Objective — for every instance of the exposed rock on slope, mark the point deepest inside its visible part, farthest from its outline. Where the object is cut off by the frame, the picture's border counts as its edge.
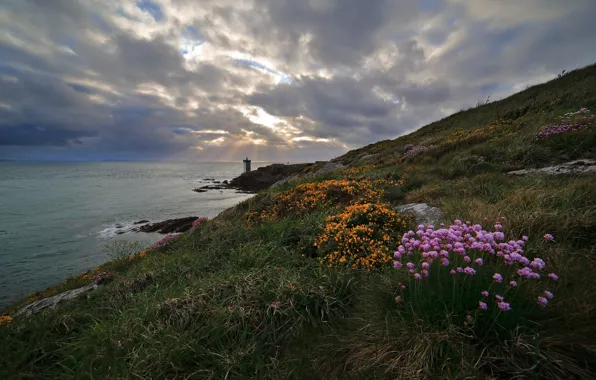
(423, 213)
(52, 302)
(577, 166)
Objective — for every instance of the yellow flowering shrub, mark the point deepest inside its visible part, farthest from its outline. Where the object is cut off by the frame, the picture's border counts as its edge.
(5, 319)
(318, 195)
(497, 127)
(362, 236)
(357, 172)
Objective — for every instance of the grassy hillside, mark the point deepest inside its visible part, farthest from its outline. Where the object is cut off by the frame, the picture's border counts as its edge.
(299, 281)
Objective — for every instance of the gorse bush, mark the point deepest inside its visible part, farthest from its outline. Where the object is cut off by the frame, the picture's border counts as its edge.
(362, 236)
(314, 196)
(465, 273)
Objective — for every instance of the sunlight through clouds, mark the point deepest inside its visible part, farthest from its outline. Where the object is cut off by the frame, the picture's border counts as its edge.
(271, 78)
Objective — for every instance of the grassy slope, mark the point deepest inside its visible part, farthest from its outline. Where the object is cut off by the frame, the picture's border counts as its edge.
(232, 301)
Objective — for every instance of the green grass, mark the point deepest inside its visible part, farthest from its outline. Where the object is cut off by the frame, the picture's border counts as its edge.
(228, 301)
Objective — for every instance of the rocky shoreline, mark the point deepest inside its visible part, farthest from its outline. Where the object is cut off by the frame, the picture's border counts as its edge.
(249, 183)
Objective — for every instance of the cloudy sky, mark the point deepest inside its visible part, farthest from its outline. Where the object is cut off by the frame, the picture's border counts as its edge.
(281, 80)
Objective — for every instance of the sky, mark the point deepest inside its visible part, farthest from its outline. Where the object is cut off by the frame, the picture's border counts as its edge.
(274, 80)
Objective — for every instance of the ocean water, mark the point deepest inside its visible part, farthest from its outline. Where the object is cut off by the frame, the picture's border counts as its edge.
(56, 218)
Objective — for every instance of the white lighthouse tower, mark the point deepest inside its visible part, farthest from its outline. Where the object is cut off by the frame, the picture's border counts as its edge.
(246, 165)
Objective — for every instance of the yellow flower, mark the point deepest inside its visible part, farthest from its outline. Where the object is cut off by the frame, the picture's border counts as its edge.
(5, 320)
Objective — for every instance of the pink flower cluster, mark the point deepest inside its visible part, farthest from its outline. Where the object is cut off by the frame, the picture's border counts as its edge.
(198, 222)
(165, 240)
(415, 149)
(468, 247)
(559, 129)
(573, 121)
(100, 276)
(581, 111)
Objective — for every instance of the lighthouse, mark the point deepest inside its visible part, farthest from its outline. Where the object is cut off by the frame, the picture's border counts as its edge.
(246, 165)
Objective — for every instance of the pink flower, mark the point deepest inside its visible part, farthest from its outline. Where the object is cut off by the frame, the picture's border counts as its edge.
(504, 306)
(402, 286)
(397, 264)
(499, 298)
(469, 271)
(525, 272)
(425, 265)
(424, 273)
(417, 276)
(553, 276)
(513, 284)
(164, 240)
(452, 272)
(548, 294)
(459, 269)
(410, 265)
(479, 261)
(537, 263)
(497, 277)
(549, 237)
(198, 222)
(467, 259)
(482, 305)
(484, 293)
(542, 301)
(444, 261)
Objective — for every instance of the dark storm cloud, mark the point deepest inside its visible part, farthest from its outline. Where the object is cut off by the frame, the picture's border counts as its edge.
(35, 135)
(182, 79)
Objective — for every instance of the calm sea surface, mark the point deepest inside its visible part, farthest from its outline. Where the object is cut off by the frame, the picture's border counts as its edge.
(56, 218)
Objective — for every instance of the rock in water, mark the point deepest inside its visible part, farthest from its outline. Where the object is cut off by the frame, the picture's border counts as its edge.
(52, 302)
(423, 213)
(141, 222)
(170, 225)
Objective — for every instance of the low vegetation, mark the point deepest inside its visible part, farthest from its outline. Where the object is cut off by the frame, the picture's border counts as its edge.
(322, 279)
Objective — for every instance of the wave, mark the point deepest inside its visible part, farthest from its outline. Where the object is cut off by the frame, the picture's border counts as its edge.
(118, 229)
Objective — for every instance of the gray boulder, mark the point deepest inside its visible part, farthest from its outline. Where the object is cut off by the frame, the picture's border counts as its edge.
(423, 213)
(572, 167)
(52, 302)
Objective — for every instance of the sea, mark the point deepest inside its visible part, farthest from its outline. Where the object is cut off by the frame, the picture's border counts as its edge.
(56, 218)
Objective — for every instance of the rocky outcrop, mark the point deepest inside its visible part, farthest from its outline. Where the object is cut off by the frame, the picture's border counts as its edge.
(169, 226)
(264, 177)
(52, 302)
(423, 213)
(572, 167)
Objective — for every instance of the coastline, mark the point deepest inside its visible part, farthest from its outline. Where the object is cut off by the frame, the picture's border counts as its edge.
(247, 183)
